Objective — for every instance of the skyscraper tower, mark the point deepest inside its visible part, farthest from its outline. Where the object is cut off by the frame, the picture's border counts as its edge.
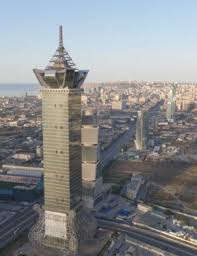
(140, 133)
(61, 113)
(93, 188)
(171, 104)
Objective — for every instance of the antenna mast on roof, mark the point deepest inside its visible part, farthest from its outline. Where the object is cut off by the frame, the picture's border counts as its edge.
(61, 59)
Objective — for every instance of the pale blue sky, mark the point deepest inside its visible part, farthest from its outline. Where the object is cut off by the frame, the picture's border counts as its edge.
(115, 39)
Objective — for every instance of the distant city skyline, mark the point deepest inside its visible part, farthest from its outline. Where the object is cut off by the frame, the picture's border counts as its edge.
(117, 40)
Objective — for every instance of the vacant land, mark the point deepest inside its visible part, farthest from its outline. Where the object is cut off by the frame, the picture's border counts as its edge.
(176, 179)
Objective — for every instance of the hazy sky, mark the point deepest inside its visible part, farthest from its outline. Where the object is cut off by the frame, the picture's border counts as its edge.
(114, 39)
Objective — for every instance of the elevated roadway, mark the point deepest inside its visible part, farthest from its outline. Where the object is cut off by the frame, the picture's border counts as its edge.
(151, 238)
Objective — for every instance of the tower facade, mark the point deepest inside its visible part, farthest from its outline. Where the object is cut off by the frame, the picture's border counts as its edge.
(61, 113)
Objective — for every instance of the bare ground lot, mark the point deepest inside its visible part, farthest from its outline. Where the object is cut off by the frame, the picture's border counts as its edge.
(176, 178)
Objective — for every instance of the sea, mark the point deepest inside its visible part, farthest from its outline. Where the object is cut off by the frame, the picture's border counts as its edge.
(18, 90)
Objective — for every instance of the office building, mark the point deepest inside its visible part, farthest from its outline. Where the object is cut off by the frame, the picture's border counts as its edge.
(140, 131)
(117, 105)
(61, 113)
(171, 105)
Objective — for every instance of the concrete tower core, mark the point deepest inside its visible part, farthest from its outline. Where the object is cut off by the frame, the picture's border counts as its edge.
(61, 113)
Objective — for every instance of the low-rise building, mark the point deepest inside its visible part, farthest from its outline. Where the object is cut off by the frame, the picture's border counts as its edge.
(133, 186)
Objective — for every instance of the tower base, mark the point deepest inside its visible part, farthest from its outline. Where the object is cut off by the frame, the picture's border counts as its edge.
(81, 225)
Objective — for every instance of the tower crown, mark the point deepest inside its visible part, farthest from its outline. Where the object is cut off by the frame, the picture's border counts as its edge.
(61, 72)
(61, 59)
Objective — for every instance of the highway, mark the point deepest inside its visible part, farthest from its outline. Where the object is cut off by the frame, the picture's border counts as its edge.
(151, 238)
(114, 148)
(10, 230)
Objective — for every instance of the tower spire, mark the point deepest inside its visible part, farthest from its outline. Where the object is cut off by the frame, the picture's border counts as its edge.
(61, 58)
(61, 45)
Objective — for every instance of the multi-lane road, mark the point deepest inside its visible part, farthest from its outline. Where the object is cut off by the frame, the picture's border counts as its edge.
(160, 241)
(112, 151)
(21, 222)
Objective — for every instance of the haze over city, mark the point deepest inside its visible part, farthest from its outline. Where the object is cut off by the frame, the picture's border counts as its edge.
(117, 40)
(98, 128)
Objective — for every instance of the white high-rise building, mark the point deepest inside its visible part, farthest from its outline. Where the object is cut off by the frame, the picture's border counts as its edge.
(140, 132)
(171, 105)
